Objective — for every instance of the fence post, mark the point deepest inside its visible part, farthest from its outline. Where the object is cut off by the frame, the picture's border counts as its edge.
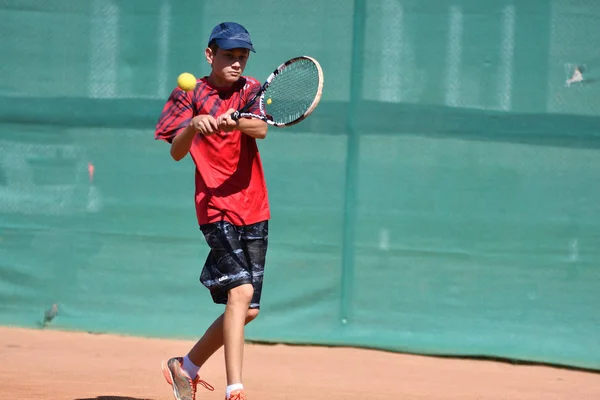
(352, 151)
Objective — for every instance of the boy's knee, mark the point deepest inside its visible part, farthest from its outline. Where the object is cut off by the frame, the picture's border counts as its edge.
(251, 314)
(241, 294)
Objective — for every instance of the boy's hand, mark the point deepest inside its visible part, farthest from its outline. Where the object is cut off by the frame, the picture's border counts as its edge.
(205, 124)
(225, 123)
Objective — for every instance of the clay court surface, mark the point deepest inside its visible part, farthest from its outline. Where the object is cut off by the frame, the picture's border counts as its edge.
(52, 365)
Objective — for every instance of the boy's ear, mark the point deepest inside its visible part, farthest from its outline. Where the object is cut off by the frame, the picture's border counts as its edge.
(209, 55)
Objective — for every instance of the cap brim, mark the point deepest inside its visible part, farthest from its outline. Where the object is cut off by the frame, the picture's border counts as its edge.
(228, 44)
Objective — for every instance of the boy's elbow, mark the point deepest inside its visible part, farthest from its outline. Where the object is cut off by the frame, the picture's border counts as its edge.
(262, 135)
(262, 132)
(175, 155)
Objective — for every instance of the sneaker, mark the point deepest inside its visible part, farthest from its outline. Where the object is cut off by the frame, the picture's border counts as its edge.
(184, 387)
(237, 395)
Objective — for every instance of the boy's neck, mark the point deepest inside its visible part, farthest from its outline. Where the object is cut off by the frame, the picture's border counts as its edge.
(216, 84)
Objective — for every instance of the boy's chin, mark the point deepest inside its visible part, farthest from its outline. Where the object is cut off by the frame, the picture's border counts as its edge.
(228, 79)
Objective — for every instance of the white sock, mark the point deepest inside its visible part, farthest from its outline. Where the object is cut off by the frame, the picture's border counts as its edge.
(189, 367)
(231, 388)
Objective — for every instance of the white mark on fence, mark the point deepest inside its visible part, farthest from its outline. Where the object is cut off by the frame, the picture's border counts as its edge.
(574, 250)
(454, 56)
(104, 42)
(384, 239)
(393, 52)
(163, 48)
(507, 58)
(577, 74)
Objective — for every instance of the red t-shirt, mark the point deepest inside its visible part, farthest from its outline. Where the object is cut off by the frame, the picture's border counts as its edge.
(230, 182)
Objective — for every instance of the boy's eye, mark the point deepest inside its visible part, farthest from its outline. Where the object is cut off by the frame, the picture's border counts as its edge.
(231, 56)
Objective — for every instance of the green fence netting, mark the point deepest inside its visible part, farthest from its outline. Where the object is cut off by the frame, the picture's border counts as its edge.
(443, 199)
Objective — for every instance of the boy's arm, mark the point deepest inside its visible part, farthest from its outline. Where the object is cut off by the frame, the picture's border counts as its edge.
(182, 142)
(178, 125)
(252, 127)
(176, 116)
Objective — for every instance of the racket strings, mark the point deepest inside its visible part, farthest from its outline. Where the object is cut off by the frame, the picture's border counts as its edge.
(292, 91)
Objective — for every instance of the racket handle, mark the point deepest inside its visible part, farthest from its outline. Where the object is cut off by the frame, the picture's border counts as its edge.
(235, 116)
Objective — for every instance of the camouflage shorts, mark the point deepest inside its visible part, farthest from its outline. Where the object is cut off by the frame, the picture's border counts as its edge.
(237, 256)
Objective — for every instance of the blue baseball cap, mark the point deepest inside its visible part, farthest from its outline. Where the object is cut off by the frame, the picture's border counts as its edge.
(231, 35)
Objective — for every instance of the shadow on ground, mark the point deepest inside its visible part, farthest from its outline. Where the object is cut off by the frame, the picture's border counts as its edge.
(113, 398)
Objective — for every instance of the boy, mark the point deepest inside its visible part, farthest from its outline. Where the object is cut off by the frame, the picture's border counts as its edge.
(232, 206)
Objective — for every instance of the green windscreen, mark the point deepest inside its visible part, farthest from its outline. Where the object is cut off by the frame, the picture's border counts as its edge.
(443, 198)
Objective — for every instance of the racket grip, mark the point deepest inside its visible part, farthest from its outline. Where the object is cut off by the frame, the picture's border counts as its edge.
(235, 116)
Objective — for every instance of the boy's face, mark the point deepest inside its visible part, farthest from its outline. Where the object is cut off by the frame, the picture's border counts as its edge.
(227, 65)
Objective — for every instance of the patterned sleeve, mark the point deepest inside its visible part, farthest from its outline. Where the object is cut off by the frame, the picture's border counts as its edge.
(175, 116)
(253, 88)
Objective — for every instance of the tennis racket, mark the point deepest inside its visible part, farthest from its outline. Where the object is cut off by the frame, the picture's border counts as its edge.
(290, 94)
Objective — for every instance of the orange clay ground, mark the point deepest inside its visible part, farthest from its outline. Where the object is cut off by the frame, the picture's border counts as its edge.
(52, 365)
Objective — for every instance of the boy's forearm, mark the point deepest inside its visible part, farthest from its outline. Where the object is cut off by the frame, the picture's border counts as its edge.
(182, 143)
(253, 127)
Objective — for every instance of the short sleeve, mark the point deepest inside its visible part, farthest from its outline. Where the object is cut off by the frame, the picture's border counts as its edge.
(253, 87)
(176, 115)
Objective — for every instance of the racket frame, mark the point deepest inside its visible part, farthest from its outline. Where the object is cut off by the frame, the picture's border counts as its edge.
(259, 96)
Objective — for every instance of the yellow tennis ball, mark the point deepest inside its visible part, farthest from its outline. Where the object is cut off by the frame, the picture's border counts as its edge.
(186, 81)
(269, 101)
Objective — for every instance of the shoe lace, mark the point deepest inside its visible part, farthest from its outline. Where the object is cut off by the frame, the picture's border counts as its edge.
(238, 395)
(197, 381)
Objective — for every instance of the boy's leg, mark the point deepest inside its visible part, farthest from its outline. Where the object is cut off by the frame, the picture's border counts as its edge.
(228, 274)
(212, 340)
(236, 260)
(184, 387)
(222, 268)
(254, 240)
(178, 376)
(238, 303)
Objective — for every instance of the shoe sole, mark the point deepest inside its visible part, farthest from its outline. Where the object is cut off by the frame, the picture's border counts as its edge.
(169, 378)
